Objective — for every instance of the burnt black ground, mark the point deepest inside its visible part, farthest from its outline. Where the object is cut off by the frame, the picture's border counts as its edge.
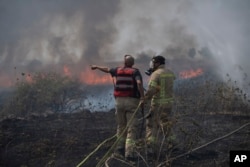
(64, 140)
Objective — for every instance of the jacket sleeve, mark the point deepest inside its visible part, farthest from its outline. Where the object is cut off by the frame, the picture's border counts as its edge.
(153, 86)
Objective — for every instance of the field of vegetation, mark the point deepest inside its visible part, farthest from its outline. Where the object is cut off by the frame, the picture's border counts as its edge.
(46, 123)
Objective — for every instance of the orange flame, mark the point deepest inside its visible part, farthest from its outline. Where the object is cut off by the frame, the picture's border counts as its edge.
(5, 81)
(67, 71)
(191, 73)
(28, 78)
(89, 76)
(92, 78)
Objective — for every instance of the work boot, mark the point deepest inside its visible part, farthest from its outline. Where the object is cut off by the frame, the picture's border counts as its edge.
(131, 156)
(119, 152)
(131, 159)
(151, 154)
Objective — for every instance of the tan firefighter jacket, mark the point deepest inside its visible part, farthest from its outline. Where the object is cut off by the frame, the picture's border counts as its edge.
(160, 87)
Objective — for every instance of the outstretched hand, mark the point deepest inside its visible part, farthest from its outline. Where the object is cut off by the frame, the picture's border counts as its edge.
(93, 67)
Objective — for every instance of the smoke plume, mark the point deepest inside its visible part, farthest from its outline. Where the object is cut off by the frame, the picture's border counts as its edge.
(39, 35)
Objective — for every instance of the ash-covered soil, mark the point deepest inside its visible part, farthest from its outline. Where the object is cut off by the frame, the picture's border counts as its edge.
(64, 140)
(55, 140)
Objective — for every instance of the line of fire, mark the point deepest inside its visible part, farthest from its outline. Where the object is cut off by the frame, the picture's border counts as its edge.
(194, 79)
(87, 76)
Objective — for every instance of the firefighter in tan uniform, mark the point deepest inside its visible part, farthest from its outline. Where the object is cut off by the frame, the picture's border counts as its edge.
(160, 91)
(128, 91)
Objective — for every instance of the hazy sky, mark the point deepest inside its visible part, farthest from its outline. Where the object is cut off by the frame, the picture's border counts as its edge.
(39, 35)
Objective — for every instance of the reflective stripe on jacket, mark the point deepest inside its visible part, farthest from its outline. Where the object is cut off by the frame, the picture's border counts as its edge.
(163, 81)
(125, 83)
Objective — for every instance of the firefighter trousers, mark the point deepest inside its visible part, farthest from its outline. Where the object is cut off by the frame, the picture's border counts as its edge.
(125, 108)
(157, 128)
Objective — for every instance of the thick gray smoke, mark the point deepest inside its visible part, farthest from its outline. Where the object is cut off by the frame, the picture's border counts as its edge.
(173, 27)
(40, 35)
